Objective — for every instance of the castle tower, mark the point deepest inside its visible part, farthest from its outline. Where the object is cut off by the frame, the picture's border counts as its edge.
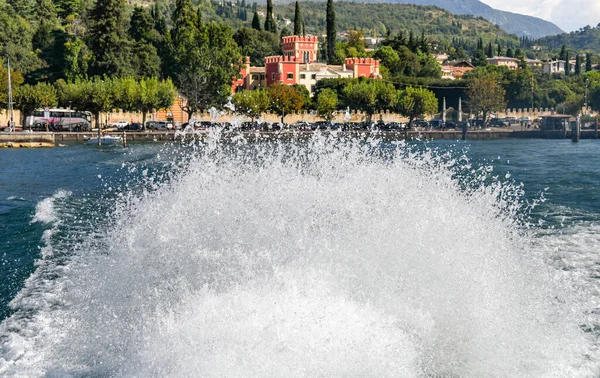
(303, 48)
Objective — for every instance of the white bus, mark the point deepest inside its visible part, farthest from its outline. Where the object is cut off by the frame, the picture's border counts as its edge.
(59, 120)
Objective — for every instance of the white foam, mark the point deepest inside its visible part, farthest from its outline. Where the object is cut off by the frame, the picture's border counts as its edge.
(45, 210)
(312, 260)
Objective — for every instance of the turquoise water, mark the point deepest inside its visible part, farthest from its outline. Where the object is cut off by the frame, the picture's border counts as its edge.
(136, 262)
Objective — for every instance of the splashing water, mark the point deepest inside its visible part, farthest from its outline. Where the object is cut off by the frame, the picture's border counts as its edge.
(327, 257)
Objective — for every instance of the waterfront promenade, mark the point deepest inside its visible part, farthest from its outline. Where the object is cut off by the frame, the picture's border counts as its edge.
(49, 139)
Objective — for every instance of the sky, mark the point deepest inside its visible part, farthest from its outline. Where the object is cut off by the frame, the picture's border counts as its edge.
(568, 15)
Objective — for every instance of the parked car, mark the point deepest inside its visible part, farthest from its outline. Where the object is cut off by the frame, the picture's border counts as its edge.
(436, 123)
(524, 119)
(499, 122)
(511, 120)
(120, 124)
(420, 122)
(136, 126)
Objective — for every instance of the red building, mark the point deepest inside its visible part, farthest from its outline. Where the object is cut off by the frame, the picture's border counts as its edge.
(298, 65)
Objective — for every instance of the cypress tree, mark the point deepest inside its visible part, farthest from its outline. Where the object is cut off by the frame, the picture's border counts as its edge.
(423, 43)
(567, 65)
(107, 39)
(577, 64)
(297, 20)
(304, 31)
(140, 26)
(270, 21)
(330, 19)
(490, 51)
(256, 22)
(563, 53)
(509, 53)
(588, 62)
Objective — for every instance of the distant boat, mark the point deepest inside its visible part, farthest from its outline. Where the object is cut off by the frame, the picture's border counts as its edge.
(107, 140)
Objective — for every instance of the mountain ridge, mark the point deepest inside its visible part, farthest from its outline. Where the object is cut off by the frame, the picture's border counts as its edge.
(513, 23)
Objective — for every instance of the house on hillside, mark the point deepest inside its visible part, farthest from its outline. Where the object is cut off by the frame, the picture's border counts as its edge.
(511, 63)
(456, 69)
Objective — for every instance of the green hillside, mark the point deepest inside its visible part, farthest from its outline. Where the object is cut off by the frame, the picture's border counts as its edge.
(585, 39)
(436, 23)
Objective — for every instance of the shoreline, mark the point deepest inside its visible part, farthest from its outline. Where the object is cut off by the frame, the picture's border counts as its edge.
(49, 139)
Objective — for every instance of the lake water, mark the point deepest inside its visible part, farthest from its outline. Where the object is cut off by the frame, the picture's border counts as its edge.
(320, 258)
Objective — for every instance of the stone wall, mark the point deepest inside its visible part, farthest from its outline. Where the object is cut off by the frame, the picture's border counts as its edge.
(352, 116)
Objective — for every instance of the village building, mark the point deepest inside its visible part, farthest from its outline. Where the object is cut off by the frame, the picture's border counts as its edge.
(456, 69)
(511, 63)
(558, 66)
(298, 65)
(535, 63)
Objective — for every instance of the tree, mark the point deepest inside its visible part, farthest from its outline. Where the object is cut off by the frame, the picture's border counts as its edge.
(285, 99)
(141, 25)
(297, 20)
(577, 64)
(204, 75)
(370, 96)
(95, 95)
(388, 57)
(490, 51)
(270, 25)
(588, 62)
(479, 58)
(257, 44)
(567, 64)
(327, 102)
(28, 98)
(256, 22)
(16, 77)
(65, 8)
(251, 103)
(485, 95)
(331, 33)
(107, 39)
(126, 94)
(416, 102)
(563, 53)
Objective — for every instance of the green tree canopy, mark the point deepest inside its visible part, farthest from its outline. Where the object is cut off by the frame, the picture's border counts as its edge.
(485, 95)
(327, 103)
(107, 39)
(28, 98)
(205, 74)
(297, 20)
(285, 99)
(252, 103)
(416, 102)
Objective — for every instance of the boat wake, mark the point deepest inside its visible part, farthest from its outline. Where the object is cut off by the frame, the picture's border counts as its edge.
(326, 257)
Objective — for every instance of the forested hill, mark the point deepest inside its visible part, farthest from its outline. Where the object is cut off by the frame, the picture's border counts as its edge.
(436, 23)
(585, 39)
(519, 24)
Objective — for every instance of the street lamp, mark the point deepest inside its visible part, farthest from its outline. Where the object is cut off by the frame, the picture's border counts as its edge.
(70, 115)
(586, 96)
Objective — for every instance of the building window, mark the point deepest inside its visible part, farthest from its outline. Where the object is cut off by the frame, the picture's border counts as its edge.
(272, 76)
(302, 76)
(262, 76)
(290, 76)
(313, 76)
(254, 77)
